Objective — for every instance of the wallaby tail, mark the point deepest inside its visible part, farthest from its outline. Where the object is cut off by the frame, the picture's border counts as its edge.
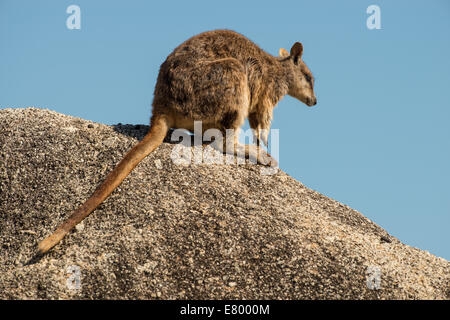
(158, 129)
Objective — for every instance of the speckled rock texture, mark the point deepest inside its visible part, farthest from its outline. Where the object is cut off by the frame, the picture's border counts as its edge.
(172, 231)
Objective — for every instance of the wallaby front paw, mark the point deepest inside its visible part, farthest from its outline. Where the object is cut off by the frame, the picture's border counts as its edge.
(267, 160)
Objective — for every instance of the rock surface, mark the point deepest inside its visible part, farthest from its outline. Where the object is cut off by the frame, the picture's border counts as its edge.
(173, 231)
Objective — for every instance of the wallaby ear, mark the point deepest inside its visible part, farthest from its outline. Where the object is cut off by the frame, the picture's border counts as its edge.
(297, 51)
(283, 53)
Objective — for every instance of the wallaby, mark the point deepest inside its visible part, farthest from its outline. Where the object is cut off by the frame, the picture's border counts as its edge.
(219, 78)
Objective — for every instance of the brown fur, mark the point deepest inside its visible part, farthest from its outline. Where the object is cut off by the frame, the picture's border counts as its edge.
(220, 78)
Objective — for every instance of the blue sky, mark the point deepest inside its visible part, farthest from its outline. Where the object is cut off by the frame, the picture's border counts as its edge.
(378, 140)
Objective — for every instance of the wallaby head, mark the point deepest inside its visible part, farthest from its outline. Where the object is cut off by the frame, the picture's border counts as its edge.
(301, 82)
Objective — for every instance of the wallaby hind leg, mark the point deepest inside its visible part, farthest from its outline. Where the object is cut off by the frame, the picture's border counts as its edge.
(229, 142)
(260, 123)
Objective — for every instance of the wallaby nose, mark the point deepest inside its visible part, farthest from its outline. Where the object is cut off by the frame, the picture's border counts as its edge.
(312, 101)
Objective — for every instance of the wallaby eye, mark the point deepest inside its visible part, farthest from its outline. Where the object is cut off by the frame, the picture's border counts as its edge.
(308, 77)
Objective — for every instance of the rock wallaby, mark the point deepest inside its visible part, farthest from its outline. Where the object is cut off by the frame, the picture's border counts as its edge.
(219, 78)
